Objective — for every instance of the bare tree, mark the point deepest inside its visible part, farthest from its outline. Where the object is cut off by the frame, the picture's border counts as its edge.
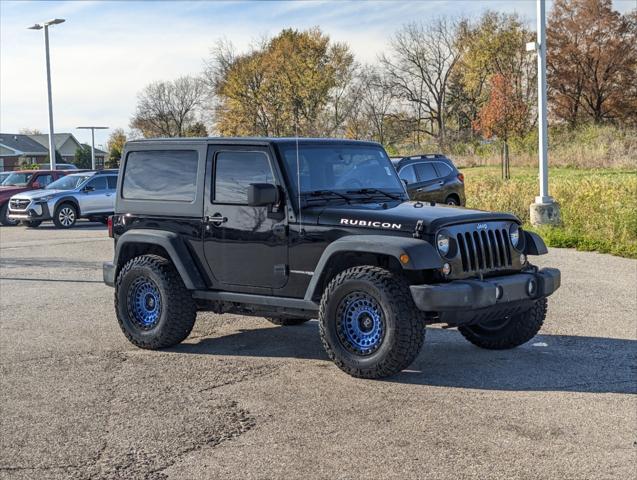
(418, 69)
(168, 109)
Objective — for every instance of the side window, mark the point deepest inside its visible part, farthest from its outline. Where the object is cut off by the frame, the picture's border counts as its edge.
(426, 171)
(235, 171)
(112, 182)
(44, 180)
(166, 175)
(444, 170)
(408, 174)
(98, 183)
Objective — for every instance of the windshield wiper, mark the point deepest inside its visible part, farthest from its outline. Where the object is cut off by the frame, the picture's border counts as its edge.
(369, 191)
(323, 193)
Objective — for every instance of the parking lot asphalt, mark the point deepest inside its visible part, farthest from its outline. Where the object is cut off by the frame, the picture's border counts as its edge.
(242, 398)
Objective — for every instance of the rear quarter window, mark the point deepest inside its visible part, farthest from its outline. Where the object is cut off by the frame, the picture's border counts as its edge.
(166, 175)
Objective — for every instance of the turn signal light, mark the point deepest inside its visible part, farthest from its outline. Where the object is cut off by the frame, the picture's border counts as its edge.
(109, 222)
(404, 258)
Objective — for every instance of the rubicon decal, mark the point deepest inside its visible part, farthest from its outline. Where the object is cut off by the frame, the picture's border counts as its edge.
(370, 223)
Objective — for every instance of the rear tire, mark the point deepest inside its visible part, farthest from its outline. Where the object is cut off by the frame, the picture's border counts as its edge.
(452, 200)
(509, 333)
(286, 322)
(369, 324)
(65, 215)
(4, 220)
(154, 308)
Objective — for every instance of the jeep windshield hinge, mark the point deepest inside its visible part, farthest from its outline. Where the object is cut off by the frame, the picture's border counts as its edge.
(420, 228)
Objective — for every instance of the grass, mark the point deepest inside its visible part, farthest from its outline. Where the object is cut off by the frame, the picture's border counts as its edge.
(598, 206)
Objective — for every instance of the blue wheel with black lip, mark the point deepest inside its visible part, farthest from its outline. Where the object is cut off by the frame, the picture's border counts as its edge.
(360, 323)
(368, 322)
(144, 303)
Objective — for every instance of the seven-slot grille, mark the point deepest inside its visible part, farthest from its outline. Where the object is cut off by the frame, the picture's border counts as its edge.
(17, 204)
(484, 249)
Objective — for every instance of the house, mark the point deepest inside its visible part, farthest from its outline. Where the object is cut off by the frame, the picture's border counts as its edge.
(17, 150)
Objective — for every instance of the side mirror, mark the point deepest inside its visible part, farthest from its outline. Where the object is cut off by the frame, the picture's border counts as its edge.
(88, 188)
(260, 194)
(36, 184)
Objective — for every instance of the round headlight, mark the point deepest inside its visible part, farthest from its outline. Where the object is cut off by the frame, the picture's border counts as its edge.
(444, 243)
(514, 235)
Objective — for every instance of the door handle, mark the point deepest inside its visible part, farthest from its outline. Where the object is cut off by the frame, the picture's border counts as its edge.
(441, 182)
(217, 219)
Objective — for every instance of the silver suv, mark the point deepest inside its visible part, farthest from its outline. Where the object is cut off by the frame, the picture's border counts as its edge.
(78, 195)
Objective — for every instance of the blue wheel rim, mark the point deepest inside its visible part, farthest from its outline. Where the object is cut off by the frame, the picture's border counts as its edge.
(144, 303)
(360, 323)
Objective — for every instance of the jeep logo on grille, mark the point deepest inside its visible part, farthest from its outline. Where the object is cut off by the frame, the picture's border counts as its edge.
(481, 226)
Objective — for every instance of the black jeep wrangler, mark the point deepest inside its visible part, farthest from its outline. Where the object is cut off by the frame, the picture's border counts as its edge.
(295, 229)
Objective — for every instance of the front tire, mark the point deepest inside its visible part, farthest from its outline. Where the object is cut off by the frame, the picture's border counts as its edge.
(65, 215)
(154, 308)
(4, 219)
(503, 334)
(369, 324)
(31, 223)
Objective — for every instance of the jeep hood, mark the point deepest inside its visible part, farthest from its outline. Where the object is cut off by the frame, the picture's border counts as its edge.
(404, 216)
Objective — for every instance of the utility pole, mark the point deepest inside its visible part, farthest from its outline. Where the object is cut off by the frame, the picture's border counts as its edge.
(45, 26)
(544, 211)
(92, 129)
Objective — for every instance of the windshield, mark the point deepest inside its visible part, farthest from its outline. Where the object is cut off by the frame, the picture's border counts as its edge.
(3, 177)
(341, 168)
(18, 179)
(70, 182)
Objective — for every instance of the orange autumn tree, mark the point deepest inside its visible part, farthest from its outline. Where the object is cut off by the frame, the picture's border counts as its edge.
(504, 115)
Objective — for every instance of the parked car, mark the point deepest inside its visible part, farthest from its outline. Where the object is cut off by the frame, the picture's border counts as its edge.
(21, 181)
(293, 230)
(61, 166)
(431, 178)
(77, 195)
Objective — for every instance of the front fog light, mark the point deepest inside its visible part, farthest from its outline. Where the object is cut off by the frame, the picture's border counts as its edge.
(522, 259)
(446, 269)
(444, 243)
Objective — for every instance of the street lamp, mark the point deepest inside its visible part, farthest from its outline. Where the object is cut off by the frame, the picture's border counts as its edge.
(92, 129)
(544, 211)
(45, 26)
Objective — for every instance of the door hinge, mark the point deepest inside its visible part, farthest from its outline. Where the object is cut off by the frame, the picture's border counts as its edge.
(420, 228)
(280, 230)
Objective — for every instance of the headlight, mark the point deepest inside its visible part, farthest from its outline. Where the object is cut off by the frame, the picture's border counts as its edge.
(44, 199)
(514, 235)
(444, 243)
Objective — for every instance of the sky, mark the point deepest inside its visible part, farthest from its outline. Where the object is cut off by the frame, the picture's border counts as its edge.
(107, 51)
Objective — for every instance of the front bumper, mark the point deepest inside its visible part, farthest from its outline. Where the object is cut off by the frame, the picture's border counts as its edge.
(471, 295)
(34, 211)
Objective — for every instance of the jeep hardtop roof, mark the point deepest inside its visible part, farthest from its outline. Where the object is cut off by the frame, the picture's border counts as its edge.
(255, 140)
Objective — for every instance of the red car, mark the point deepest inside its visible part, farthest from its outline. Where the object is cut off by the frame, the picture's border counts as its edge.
(21, 181)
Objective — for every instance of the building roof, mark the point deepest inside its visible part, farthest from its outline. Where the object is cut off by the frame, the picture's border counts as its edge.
(60, 139)
(22, 144)
(97, 150)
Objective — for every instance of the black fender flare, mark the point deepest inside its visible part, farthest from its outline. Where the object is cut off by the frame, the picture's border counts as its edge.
(67, 199)
(533, 244)
(422, 255)
(173, 244)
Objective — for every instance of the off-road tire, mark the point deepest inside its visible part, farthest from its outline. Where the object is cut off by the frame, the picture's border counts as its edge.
(404, 326)
(452, 200)
(178, 312)
(4, 220)
(32, 223)
(286, 322)
(520, 329)
(58, 210)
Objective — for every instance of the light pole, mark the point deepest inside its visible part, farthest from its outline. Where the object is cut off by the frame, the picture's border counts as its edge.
(544, 211)
(45, 26)
(92, 129)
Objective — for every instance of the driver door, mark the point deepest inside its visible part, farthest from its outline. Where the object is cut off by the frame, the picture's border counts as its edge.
(245, 246)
